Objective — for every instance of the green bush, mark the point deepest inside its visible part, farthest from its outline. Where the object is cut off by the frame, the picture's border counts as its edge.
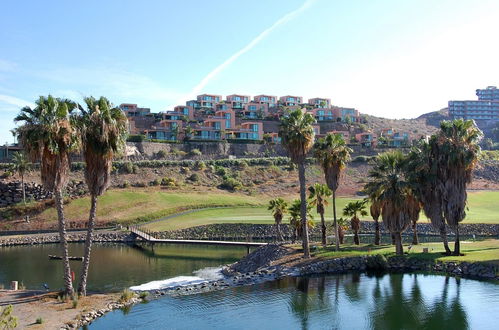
(376, 262)
(231, 184)
(136, 138)
(161, 154)
(39, 320)
(362, 159)
(126, 295)
(6, 174)
(7, 320)
(199, 165)
(168, 182)
(128, 167)
(194, 177)
(222, 171)
(126, 184)
(156, 182)
(195, 152)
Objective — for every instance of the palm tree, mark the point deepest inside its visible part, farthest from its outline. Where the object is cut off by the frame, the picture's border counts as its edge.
(21, 165)
(279, 207)
(332, 154)
(389, 183)
(422, 169)
(297, 136)
(48, 134)
(294, 210)
(354, 209)
(375, 211)
(318, 198)
(104, 131)
(458, 148)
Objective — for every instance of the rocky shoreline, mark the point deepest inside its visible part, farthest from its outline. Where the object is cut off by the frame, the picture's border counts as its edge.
(108, 236)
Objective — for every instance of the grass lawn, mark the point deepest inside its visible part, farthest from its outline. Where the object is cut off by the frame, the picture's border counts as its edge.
(254, 214)
(486, 250)
(138, 205)
(483, 208)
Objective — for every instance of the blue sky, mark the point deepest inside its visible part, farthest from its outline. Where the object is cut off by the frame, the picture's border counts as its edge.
(395, 59)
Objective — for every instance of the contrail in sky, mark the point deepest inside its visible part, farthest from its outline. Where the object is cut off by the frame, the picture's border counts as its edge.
(286, 18)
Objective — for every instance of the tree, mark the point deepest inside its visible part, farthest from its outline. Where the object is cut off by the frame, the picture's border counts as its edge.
(279, 207)
(48, 134)
(7, 320)
(387, 180)
(297, 136)
(457, 145)
(103, 131)
(421, 168)
(375, 211)
(332, 154)
(21, 165)
(318, 198)
(354, 209)
(294, 210)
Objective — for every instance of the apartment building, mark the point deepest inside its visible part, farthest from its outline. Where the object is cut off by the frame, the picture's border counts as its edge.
(367, 139)
(320, 103)
(237, 101)
(393, 138)
(169, 129)
(254, 110)
(485, 108)
(248, 131)
(290, 101)
(337, 114)
(270, 100)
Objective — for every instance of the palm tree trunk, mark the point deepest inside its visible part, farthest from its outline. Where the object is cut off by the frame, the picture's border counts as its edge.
(356, 239)
(415, 239)
(24, 190)
(278, 229)
(82, 288)
(443, 234)
(399, 249)
(303, 210)
(377, 236)
(68, 281)
(457, 245)
(335, 222)
(393, 239)
(323, 223)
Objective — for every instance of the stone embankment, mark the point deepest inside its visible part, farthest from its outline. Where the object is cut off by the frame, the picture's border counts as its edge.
(72, 237)
(11, 192)
(267, 232)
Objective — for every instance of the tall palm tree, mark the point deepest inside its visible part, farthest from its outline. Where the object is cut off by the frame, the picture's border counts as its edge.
(388, 182)
(48, 135)
(458, 148)
(21, 165)
(375, 211)
(103, 131)
(354, 209)
(297, 135)
(332, 154)
(279, 207)
(421, 168)
(294, 210)
(318, 198)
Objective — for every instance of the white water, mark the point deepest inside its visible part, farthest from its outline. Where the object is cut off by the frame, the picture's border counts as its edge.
(202, 276)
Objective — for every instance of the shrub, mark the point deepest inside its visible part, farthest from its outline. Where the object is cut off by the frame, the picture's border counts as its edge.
(126, 184)
(126, 295)
(136, 138)
(75, 301)
(184, 170)
(231, 184)
(156, 182)
(168, 182)
(376, 262)
(7, 320)
(39, 320)
(220, 171)
(143, 295)
(194, 177)
(128, 167)
(6, 174)
(195, 152)
(199, 165)
(161, 154)
(362, 159)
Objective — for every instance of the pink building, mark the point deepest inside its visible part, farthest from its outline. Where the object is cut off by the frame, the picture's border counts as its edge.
(165, 130)
(367, 139)
(248, 131)
(289, 100)
(318, 102)
(185, 110)
(237, 101)
(270, 100)
(208, 100)
(256, 110)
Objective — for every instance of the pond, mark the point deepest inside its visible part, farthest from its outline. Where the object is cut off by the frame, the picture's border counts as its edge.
(113, 266)
(352, 301)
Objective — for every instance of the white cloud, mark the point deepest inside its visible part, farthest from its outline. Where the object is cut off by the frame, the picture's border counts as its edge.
(14, 101)
(213, 73)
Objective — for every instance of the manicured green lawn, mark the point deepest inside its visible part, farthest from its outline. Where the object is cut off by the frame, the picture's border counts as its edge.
(255, 214)
(483, 208)
(138, 205)
(486, 250)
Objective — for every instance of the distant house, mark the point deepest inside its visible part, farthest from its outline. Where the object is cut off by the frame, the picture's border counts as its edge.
(393, 138)
(366, 139)
(248, 131)
(289, 100)
(318, 102)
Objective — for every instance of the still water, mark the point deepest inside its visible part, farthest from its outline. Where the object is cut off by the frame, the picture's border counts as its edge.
(113, 266)
(353, 301)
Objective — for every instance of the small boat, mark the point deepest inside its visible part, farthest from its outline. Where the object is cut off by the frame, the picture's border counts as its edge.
(60, 258)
